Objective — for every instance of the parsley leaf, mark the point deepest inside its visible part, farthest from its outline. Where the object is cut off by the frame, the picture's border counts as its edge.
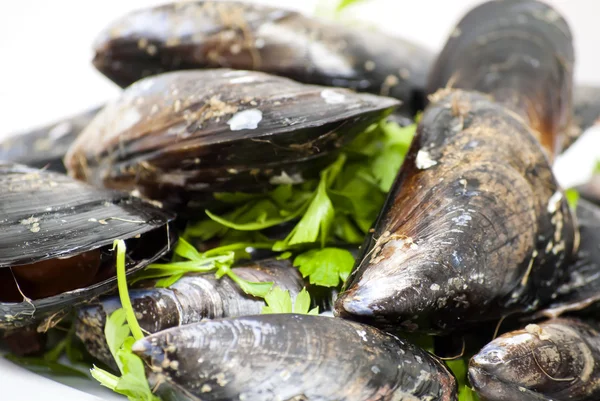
(280, 301)
(572, 196)
(596, 168)
(325, 267)
(459, 368)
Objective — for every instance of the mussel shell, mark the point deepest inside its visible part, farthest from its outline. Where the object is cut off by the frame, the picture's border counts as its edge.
(474, 228)
(47, 216)
(290, 357)
(521, 53)
(555, 360)
(191, 299)
(182, 135)
(233, 34)
(586, 105)
(581, 291)
(46, 147)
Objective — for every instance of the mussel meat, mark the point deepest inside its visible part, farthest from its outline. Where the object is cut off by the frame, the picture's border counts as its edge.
(474, 228)
(45, 147)
(521, 53)
(179, 137)
(290, 357)
(56, 240)
(191, 299)
(556, 360)
(238, 35)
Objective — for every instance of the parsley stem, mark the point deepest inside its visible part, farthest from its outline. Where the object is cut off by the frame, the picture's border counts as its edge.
(132, 322)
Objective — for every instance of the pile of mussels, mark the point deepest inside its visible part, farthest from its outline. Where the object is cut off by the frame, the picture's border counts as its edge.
(228, 96)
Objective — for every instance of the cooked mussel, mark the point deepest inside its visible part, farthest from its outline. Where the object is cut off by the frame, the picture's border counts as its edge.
(581, 291)
(474, 228)
(521, 53)
(290, 357)
(233, 34)
(56, 240)
(191, 299)
(586, 105)
(180, 136)
(45, 147)
(555, 360)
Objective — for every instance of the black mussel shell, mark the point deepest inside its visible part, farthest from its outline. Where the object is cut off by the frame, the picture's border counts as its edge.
(554, 360)
(191, 299)
(179, 137)
(474, 228)
(290, 357)
(56, 240)
(46, 147)
(233, 34)
(521, 53)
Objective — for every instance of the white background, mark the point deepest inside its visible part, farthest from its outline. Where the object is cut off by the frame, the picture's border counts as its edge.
(46, 74)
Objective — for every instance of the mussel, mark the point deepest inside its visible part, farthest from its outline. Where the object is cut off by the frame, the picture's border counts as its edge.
(45, 147)
(586, 105)
(191, 299)
(521, 53)
(581, 291)
(290, 357)
(56, 240)
(179, 137)
(233, 34)
(556, 360)
(474, 228)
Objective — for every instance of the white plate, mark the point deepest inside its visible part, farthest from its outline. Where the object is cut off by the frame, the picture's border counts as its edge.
(46, 74)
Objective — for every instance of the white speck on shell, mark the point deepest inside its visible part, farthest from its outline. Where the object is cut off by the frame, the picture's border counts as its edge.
(554, 202)
(243, 80)
(424, 160)
(332, 97)
(285, 179)
(434, 287)
(247, 119)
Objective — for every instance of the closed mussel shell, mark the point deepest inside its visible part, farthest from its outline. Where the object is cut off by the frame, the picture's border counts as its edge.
(233, 34)
(474, 228)
(182, 135)
(191, 299)
(56, 240)
(521, 53)
(290, 357)
(46, 147)
(554, 360)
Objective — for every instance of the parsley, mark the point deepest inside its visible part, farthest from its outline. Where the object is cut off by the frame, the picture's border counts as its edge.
(340, 206)
(280, 301)
(596, 168)
(325, 267)
(459, 368)
(572, 196)
(218, 259)
(119, 325)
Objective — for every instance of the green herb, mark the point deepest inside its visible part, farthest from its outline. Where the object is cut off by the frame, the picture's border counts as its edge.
(596, 168)
(280, 301)
(325, 267)
(218, 259)
(132, 382)
(459, 368)
(341, 206)
(572, 196)
(343, 4)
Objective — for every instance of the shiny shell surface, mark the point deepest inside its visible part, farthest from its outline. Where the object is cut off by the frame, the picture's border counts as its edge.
(181, 135)
(234, 34)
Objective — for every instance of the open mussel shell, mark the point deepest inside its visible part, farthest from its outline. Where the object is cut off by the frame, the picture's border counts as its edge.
(521, 53)
(233, 34)
(56, 240)
(191, 299)
(180, 136)
(290, 357)
(555, 360)
(474, 228)
(581, 291)
(46, 147)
